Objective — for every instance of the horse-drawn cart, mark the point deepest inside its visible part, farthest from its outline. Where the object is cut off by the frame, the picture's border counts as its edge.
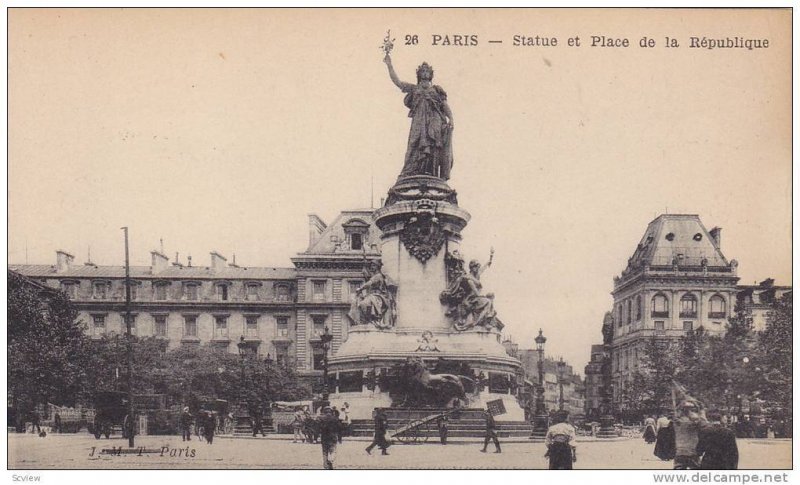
(420, 430)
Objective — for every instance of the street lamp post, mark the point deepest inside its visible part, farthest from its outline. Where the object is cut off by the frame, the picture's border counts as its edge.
(561, 365)
(242, 415)
(326, 338)
(540, 420)
(268, 398)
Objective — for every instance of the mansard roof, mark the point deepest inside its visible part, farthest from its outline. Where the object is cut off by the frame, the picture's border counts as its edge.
(677, 237)
(145, 272)
(332, 237)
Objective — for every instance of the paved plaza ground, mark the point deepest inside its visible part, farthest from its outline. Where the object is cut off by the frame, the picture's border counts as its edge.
(73, 451)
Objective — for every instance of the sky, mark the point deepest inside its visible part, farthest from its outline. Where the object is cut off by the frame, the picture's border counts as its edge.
(221, 130)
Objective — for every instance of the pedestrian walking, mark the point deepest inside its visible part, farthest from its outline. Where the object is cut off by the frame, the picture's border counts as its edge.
(297, 426)
(716, 445)
(329, 437)
(665, 438)
(649, 430)
(491, 432)
(560, 442)
(57, 422)
(209, 427)
(345, 419)
(442, 424)
(35, 428)
(687, 435)
(186, 424)
(381, 426)
(336, 414)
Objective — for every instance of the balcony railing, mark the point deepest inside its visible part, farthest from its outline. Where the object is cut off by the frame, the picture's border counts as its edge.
(688, 314)
(656, 314)
(716, 315)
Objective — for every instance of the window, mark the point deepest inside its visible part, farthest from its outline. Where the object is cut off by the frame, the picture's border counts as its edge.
(282, 293)
(669, 237)
(133, 324)
(190, 326)
(190, 291)
(160, 325)
(281, 357)
(317, 356)
(318, 290)
(319, 325)
(160, 292)
(356, 241)
(252, 292)
(351, 381)
(70, 288)
(687, 326)
(660, 306)
(100, 290)
(688, 306)
(659, 325)
(629, 312)
(222, 292)
(99, 322)
(220, 326)
(134, 290)
(283, 326)
(619, 315)
(716, 307)
(638, 307)
(352, 287)
(251, 326)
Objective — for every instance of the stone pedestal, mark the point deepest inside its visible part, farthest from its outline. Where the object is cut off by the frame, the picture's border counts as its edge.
(541, 422)
(607, 427)
(420, 223)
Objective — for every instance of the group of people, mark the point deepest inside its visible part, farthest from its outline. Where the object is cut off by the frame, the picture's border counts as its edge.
(205, 424)
(307, 427)
(693, 440)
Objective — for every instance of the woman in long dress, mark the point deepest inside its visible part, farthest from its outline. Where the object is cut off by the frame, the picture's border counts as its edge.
(429, 149)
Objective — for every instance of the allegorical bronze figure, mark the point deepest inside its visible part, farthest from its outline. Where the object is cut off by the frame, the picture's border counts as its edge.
(429, 149)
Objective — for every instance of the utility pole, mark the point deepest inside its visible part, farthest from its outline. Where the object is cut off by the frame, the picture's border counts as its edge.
(129, 341)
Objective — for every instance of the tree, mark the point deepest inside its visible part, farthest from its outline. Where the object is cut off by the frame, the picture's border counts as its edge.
(651, 384)
(46, 346)
(774, 356)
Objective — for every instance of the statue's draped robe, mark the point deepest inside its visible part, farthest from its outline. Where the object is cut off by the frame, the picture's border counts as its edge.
(429, 149)
(466, 290)
(378, 300)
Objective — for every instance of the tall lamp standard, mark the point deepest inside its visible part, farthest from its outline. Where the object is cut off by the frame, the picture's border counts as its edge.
(541, 419)
(242, 415)
(561, 366)
(268, 400)
(326, 338)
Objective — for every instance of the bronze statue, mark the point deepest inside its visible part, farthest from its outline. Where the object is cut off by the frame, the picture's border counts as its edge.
(429, 149)
(467, 306)
(440, 389)
(374, 303)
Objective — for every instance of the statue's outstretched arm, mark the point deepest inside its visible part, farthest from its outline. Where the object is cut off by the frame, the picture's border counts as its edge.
(393, 75)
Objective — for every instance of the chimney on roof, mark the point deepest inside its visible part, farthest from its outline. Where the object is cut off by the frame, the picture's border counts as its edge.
(159, 262)
(218, 261)
(63, 260)
(233, 264)
(190, 260)
(315, 228)
(716, 236)
(177, 261)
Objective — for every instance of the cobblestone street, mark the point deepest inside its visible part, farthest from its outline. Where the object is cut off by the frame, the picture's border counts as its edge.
(73, 451)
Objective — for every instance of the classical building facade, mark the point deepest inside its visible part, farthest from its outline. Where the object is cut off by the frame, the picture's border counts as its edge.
(555, 376)
(676, 281)
(279, 311)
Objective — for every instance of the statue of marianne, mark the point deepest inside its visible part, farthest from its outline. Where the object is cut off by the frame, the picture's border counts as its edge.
(429, 151)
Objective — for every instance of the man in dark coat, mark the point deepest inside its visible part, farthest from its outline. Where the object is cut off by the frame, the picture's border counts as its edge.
(491, 432)
(186, 424)
(210, 426)
(381, 425)
(442, 424)
(329, 437)
(57, 423)
(717, 446)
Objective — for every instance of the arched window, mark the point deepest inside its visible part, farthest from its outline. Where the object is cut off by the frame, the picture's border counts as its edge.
(716, 307)
(688, 306)
(620, 322)
(629, 312)
(638, 307)
(660, 306)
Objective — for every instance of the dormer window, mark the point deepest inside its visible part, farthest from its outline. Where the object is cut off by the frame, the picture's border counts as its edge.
(70, 288)
(100, 290)
(282, 292)
(356, 231)
(222, 291)
(251, 291)
(191, 290)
